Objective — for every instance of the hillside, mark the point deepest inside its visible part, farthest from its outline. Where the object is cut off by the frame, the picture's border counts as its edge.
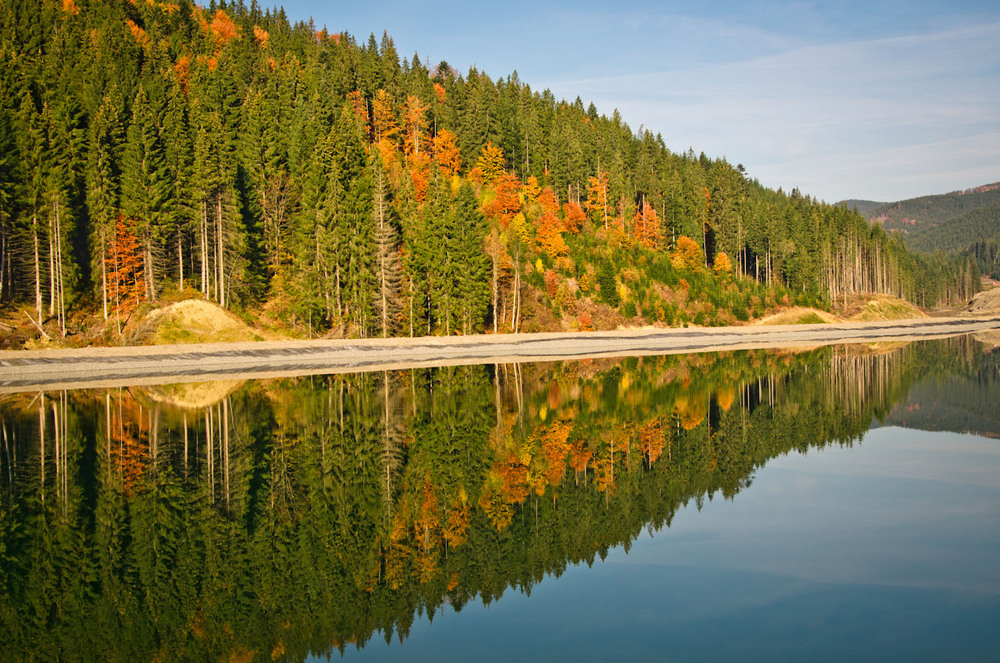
(961, 221)
(977, 232)
(152, 149)
(916, 214)
(864, 207)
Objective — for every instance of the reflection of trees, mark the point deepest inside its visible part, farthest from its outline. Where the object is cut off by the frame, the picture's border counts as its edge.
(311, 513)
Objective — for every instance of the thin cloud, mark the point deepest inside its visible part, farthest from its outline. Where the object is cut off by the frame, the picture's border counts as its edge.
(861, 99)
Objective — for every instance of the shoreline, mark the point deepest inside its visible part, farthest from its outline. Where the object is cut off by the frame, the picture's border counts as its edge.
(82, 368)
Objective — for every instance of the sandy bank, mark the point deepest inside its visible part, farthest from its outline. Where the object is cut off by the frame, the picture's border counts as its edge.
(30, 370)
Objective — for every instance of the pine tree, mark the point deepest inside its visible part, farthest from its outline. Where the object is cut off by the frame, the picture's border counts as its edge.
(103, 192)
(386, 244)
(146, 185)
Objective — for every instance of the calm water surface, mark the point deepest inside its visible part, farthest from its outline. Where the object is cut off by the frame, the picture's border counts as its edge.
(842, 504)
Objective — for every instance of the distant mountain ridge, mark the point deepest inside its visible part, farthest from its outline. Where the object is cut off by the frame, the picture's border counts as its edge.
(907, 215)
(961, 404)
(953, 222)
(862, 206)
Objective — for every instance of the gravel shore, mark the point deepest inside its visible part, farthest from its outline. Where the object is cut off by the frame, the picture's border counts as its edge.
(32, 370)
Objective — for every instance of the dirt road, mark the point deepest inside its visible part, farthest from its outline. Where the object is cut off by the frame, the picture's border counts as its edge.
(32, 370)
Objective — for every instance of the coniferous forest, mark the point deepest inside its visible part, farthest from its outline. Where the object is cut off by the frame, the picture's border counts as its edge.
(153, 150)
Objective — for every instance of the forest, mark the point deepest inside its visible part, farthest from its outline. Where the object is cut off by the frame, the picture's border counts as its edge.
(960, 222)
(976, 233)
(155, 151)
(300, 516)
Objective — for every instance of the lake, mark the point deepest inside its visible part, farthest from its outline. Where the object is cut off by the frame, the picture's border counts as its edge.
(833, 504)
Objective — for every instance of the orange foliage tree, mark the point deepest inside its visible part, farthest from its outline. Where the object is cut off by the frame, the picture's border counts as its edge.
(223, 28)
(383, 118)
(573, 217)
(531, 190)
(548, 201)
(687, 255)
(722, 265)
(556, 447)
(260, 36)
(652, 437)
(360, 108)
(415, 123)
(420, 172)
(597, 199)
(440, 93)
(647, 226)
(506, 202)
(549, 236)
(125, 268)
(446, 152)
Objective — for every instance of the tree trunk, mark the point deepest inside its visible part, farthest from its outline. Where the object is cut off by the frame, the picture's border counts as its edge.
(104, 277)
(496, 308)
(147, 257)
(52, 271)
(180, 262)
(220, 258)
(203, 241)
(59, 272)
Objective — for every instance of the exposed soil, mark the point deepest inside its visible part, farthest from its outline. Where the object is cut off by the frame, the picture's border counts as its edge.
(986, 302)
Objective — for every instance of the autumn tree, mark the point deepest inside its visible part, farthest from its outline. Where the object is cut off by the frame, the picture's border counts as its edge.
(549, 236)
(573, 216)
(414, 123)
(646, 226)
(505, 202)
(687, 255)
(125, 270)
(491, 162)
(446, 153)
(597, 199)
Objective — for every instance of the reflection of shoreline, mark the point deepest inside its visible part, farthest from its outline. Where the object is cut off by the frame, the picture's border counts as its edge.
(103, 367)
(192, 395)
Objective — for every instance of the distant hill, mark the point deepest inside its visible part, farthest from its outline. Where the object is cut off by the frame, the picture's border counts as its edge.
(862, 206)
(961, 404)
(956, 234)
(915, 213)
(952, 222)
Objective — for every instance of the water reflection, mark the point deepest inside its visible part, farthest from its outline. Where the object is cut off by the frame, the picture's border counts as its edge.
(276, 519)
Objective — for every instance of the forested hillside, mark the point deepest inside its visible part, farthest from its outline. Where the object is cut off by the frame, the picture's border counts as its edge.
(976, 232)
(958, 222)
(863, 207)
(152, 149)
(917, 213)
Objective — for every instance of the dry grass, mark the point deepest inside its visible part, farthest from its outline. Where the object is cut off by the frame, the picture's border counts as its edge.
(798, 315)
(191, 321)
(884, 307)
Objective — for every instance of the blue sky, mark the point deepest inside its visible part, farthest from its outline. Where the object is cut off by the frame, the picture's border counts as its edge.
(871, 100)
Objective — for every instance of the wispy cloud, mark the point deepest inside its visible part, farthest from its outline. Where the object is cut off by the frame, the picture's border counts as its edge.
(863, 102)
(815, 95)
